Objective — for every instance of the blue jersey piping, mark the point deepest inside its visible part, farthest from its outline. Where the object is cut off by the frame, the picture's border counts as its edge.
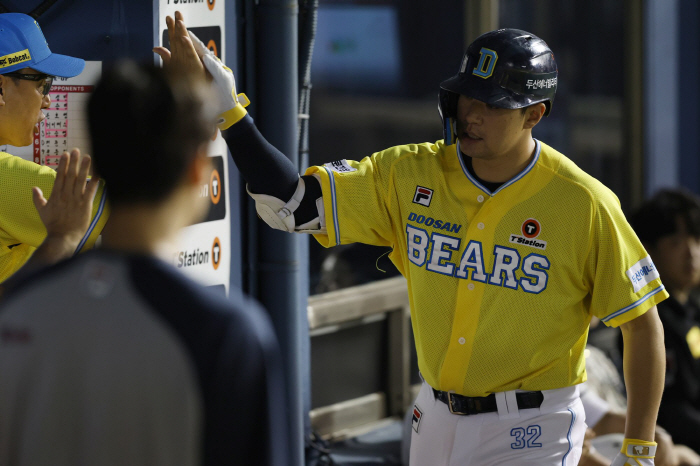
(634, 304)
(476, 183)
(100, 209)
(333, 201)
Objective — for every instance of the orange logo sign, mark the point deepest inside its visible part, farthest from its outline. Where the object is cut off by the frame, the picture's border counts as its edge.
(211, 45)
(216, 253)
(210, 4)
(215, 187)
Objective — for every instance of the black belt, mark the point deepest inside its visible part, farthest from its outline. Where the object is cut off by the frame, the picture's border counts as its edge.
(466, 405)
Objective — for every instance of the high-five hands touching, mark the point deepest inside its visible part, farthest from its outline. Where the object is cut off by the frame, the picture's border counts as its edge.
(190, 55)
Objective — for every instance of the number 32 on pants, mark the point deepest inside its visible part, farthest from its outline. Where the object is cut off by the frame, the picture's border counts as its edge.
(526, 437)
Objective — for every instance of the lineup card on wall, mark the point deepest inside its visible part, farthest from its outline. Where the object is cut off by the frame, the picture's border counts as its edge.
(203, 250)
(65, 125)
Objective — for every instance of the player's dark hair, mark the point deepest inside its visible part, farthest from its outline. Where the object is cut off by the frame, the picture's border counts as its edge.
(657, 217)
(145, 127)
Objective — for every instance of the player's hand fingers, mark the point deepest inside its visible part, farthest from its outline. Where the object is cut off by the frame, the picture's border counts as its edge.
(170, 23)
(184, 55)
(199, 46)
(71, 172)
(61, 173)
(38, 198)
(83, 172)
(164, 54)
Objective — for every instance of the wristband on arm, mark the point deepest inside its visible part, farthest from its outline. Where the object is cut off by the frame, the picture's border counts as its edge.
(635, 452)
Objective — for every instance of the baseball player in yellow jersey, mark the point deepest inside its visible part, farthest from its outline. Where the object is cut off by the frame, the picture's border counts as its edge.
(508, 248)
(27, 69)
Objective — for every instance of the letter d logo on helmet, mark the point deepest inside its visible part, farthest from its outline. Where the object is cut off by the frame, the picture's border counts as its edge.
(487, 62)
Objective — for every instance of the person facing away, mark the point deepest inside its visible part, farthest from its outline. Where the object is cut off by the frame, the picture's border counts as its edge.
(27, 70)
(114, 357)
(669, 226)
(508, 250)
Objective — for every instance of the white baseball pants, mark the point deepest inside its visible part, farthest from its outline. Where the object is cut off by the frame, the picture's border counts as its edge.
(551, 435)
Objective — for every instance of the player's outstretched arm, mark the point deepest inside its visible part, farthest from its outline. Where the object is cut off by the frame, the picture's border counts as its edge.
(644, 368)
(283, 199)
(67, 213)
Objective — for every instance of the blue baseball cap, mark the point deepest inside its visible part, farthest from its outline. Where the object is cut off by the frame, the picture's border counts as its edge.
(22, 45)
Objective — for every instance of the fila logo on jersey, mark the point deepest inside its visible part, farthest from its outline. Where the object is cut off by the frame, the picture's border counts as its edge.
(423, 196)
(415, 419)
(531, 229)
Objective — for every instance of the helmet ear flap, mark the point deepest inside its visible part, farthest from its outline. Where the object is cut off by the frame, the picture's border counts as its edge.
(447, 105)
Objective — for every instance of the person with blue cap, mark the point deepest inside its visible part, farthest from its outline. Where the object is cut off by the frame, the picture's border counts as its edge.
(70, 222)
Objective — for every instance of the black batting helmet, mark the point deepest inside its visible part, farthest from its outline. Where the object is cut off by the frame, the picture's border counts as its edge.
(507, 68)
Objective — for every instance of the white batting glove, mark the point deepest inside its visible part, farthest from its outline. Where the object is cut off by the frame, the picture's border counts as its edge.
(635, 453)
(231, 105)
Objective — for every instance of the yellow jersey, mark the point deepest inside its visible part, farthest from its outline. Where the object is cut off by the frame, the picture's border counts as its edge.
(21, 229)
(503, 284)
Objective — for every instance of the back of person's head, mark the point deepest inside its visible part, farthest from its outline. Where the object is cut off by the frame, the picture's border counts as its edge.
(146, 127)
(659, 216)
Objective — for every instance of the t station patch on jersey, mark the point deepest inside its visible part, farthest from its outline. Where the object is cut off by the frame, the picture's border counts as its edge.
(415, 419)
(530, 230)
(423, 196)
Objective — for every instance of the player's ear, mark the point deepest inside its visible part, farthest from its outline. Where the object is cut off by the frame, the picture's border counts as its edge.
(533, 115)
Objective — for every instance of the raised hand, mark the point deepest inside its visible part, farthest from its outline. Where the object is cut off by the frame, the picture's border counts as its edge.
(182, 56)
(67, 213)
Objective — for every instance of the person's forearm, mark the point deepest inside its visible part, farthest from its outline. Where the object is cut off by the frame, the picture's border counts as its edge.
(53, 250)
(269, 171)
(644, 368)
(264, 168)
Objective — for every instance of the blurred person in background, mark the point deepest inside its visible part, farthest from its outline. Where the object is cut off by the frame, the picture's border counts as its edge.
(669, 226)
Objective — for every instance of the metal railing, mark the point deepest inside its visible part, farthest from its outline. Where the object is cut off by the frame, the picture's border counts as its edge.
(334, 311)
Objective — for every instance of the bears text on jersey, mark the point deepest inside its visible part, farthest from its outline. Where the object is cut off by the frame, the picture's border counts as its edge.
(438, 252)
